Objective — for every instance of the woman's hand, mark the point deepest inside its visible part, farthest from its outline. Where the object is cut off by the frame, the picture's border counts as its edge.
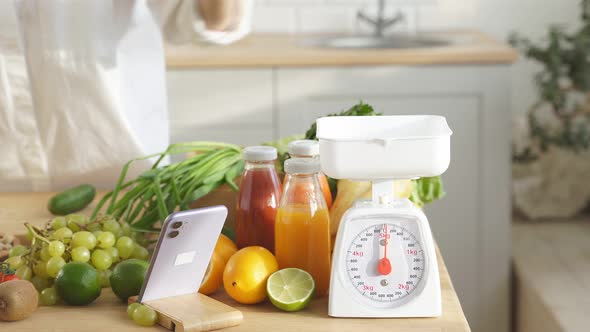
(220, 15)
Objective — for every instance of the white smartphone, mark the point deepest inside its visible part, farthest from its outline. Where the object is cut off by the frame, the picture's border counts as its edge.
(182, 253)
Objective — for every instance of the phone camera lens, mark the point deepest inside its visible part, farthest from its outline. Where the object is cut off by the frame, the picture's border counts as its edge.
(177, 224)
(173, 234)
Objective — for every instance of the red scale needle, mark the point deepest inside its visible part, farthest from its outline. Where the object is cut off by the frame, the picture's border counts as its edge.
(384, 267)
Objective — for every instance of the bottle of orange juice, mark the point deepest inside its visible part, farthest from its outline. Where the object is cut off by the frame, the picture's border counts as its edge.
(305, 148)
(302, 225)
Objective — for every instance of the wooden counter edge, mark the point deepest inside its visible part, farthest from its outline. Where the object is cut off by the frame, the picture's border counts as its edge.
(255, 52)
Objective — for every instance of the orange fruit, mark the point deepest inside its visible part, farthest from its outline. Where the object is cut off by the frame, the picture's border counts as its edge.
(213, 275)
(225, 247)
(246, 272)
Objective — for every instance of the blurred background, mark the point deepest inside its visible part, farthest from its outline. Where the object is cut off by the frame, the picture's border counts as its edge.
(511, 76)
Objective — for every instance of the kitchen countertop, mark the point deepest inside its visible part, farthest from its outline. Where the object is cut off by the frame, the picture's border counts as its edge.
(283, 50)
(17, 208)
(551, 261)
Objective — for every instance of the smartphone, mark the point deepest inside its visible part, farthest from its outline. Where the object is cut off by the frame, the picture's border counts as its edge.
(183, 251)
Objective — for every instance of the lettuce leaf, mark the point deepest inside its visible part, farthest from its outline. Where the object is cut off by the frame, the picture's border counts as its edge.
(427, 190)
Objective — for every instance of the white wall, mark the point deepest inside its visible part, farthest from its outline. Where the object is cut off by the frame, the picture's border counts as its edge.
(496, 17)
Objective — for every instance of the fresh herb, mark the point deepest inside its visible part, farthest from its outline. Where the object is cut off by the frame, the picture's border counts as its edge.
(360, 109)
(149, 198)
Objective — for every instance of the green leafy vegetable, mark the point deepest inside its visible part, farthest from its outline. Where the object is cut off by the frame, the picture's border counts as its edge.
(427, 190)
(154, 194)
(360, 109)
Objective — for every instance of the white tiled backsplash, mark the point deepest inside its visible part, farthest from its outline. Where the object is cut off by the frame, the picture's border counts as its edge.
(294, 16)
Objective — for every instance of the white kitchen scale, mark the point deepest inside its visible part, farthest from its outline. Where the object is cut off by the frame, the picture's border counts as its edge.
(384, 262)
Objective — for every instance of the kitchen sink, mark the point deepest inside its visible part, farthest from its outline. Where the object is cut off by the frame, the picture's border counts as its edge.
(374, 42)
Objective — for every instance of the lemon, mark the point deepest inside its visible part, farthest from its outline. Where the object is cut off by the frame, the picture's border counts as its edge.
(127, 278)
(214, 275)
(78, 283)
(246, 272)
(290, 289)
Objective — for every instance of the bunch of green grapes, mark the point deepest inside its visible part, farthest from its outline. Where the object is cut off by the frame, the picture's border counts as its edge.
(101, 243)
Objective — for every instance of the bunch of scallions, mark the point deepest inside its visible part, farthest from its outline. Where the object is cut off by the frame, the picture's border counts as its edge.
(148, 199)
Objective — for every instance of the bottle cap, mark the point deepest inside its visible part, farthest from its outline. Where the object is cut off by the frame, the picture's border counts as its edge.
(260, 153)
(304, 147)
(302, 165)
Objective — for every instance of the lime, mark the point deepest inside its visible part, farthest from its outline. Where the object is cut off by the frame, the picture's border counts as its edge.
(78, 283)
(290, 289)
(127, 278)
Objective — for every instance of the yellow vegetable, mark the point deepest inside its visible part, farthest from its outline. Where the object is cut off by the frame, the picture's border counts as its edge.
(350, 191)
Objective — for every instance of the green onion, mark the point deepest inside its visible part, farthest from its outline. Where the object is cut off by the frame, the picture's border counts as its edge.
(153, 195)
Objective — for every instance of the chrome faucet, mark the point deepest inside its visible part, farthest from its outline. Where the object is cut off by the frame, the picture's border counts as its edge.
(380, 22)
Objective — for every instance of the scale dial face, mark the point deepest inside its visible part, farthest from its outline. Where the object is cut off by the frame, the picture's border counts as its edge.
(386, 263)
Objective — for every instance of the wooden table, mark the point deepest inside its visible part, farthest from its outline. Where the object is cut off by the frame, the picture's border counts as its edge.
(107, 314)
(551, 262)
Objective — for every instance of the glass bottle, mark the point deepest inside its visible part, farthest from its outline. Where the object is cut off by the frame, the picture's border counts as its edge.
(258, 199)
(310, 149)
(302, 227)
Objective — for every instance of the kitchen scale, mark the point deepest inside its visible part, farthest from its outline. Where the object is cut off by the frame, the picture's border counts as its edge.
(384, 262)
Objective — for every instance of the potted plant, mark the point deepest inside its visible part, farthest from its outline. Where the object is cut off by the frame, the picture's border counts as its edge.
(551, 156)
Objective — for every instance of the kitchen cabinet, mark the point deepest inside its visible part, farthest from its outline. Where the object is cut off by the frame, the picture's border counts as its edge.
(471, 224)
(221, 105)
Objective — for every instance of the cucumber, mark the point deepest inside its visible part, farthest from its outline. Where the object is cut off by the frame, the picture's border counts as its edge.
(71, 200)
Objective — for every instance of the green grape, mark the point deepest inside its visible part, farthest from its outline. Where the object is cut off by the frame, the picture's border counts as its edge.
(29, 235)
(62, 234)
(140, 252)
(119, 233)
(58, 222)
(84, 239)
(125, 245)
(105, 240)
(56, 248)
(93, 227)
(40, 283)
(138, 237)
(104, 278)
(24, 272)
(125, 229)
(131, 308)
(114, 254)
(44, 254)
(101, 259)
(54, 265)
(48, 296)
(40, 269)
(112, 226)
(80, 254)
(78, 219)
(144, 316)
(17, 250)
(15, 262)
(97, 233)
